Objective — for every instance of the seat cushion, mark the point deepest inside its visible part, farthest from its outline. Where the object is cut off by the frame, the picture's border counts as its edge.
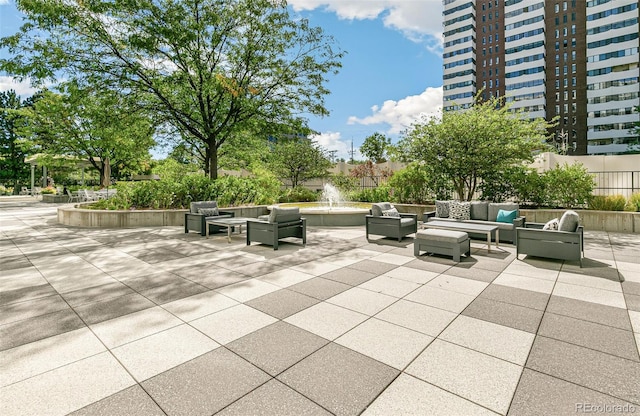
(569, 221)
(480, 210)
(407, 221)
(446, 236)
(379, 207)
(278, 214)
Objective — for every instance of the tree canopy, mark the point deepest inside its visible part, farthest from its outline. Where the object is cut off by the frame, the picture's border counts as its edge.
(207, 67)
(375, 147)
(299, 160)
(12, 166)
(469, 145)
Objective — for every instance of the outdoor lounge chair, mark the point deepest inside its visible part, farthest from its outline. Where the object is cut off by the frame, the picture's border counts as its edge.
(383, 221)
(281, 223)
(565, 243)
(199, 213)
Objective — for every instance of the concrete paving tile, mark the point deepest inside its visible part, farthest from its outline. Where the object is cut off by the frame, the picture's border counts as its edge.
(159, 352)
(513, 316)
(388, 343)
(14, 262)
(526, 283)
(440, 298)
(274, 398)
(96, 312)
(339, 379)
(187, 389)
(372, 266)
(232, 323)
(632, 288)
(326, 320)
(458, 284)
(590, 294)
(28, 309)
(348, 257)
(134, 326)
(286, 277)
(540, 394)
(411, 274)
(197, 306)
(596, 370)
(320, 288)
(132, 401)
(173, 291)
(257, 269)
(634, 317)
(481, 275)
(349, 276)
(516, 296)
(96, 294)
(431, 264)
(589, 311)
(395, 259)
(38, 357)
(247, 290)
(149, 281)
(282, 303)
(217, 278)
(316, 267)
(543, 271)
(589, 281)
(597, 337)
(417, 317)
(67, 388)
(363, 301)
(496, 340)
(39, 327)
(633, 302)
(390, 286)
(276, 347)
(408, 395)
(157, 255)
(477, 377)
(26, 292)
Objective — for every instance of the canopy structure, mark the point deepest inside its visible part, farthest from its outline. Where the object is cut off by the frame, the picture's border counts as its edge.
(36, 160)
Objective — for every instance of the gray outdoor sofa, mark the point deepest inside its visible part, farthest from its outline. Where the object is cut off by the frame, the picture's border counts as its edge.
(199, 213)
(481, 212)
(280, 223)
(390, 226)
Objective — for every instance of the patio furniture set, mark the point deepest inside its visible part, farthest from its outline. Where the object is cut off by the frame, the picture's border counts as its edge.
(446, 231)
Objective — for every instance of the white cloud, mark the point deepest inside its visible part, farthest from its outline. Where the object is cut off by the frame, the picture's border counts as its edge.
(333, 141)
(419, 20)
(22, 88)
(3, 2)
(402, 113)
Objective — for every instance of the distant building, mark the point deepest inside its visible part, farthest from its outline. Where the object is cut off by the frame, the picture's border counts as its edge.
(574, 59)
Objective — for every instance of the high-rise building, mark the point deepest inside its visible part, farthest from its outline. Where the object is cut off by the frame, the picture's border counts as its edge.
(576, 60)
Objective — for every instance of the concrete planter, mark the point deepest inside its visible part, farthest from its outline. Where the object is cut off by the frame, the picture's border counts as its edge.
(54, 199)
(614, 221)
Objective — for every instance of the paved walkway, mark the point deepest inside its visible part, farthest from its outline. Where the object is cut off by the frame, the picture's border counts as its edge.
(152, 321)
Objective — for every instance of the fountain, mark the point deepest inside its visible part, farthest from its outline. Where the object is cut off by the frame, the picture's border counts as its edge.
(332, 209)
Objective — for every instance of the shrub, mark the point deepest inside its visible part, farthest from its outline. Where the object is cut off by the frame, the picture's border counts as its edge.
(633, 203)
(379, 194)
(568, 186)
(345, 184)
(49, 190)
(411, 185)
(607, 203)
(298, 194)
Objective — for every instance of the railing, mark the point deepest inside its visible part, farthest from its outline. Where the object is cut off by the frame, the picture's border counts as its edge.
(623, 183)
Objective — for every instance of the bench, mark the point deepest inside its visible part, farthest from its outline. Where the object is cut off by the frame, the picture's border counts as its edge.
(445, 242)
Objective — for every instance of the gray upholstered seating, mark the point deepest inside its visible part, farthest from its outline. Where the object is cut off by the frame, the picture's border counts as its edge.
(565, 243)
(281, 223)
(445, 242)
(389, 226)
(199, 212)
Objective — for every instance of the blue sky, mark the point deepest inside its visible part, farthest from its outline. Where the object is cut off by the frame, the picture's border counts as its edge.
(391, 74)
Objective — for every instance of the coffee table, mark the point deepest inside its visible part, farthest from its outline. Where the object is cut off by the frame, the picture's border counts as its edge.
(467, 227)
(227, 223)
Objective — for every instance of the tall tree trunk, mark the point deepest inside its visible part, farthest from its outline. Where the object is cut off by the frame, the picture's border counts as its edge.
(212, 154)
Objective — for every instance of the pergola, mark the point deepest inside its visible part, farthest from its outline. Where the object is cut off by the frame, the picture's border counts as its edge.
(35, 160)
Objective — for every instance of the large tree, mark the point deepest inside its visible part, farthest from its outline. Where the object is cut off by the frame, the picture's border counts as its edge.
(99, 127)
(208, 67)
(375, 147)
(466, 146)
(13, 170)
(299, 160)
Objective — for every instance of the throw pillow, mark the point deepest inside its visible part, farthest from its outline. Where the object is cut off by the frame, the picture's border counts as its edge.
(209, 212)
(460, 210)
(391, 213)
(442, 209)
(569, 221)
(551, 225)
(506, 216)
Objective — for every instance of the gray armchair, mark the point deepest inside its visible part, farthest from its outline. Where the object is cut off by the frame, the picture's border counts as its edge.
(567, 243)
(281, 223)
(389, 226)
(199, 213)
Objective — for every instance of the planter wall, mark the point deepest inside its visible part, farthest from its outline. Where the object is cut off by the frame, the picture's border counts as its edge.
(54, 199)
(615, 221)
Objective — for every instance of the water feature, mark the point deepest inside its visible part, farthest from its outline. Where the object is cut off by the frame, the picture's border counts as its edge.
(331, 195)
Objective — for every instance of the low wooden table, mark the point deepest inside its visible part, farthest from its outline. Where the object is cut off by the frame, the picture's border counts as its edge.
(227, 223)
(467, 227)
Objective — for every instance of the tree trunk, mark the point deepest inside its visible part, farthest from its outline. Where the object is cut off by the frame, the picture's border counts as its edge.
(212, 154)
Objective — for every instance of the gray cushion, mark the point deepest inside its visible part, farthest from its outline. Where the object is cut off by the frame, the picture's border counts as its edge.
(391, 213)
(195, 206)
(442, 209)
(377, 208)
(494, 207)
(284, 214)
(209, 212)
(442, 235)
(569, 221)
(407, 221)
(460, 210)
(480, 210)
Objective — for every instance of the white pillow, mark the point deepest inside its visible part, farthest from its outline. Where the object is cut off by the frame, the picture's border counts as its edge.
(552, 225)
(460, 210)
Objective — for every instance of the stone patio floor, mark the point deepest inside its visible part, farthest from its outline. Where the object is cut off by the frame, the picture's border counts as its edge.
(153, 321)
